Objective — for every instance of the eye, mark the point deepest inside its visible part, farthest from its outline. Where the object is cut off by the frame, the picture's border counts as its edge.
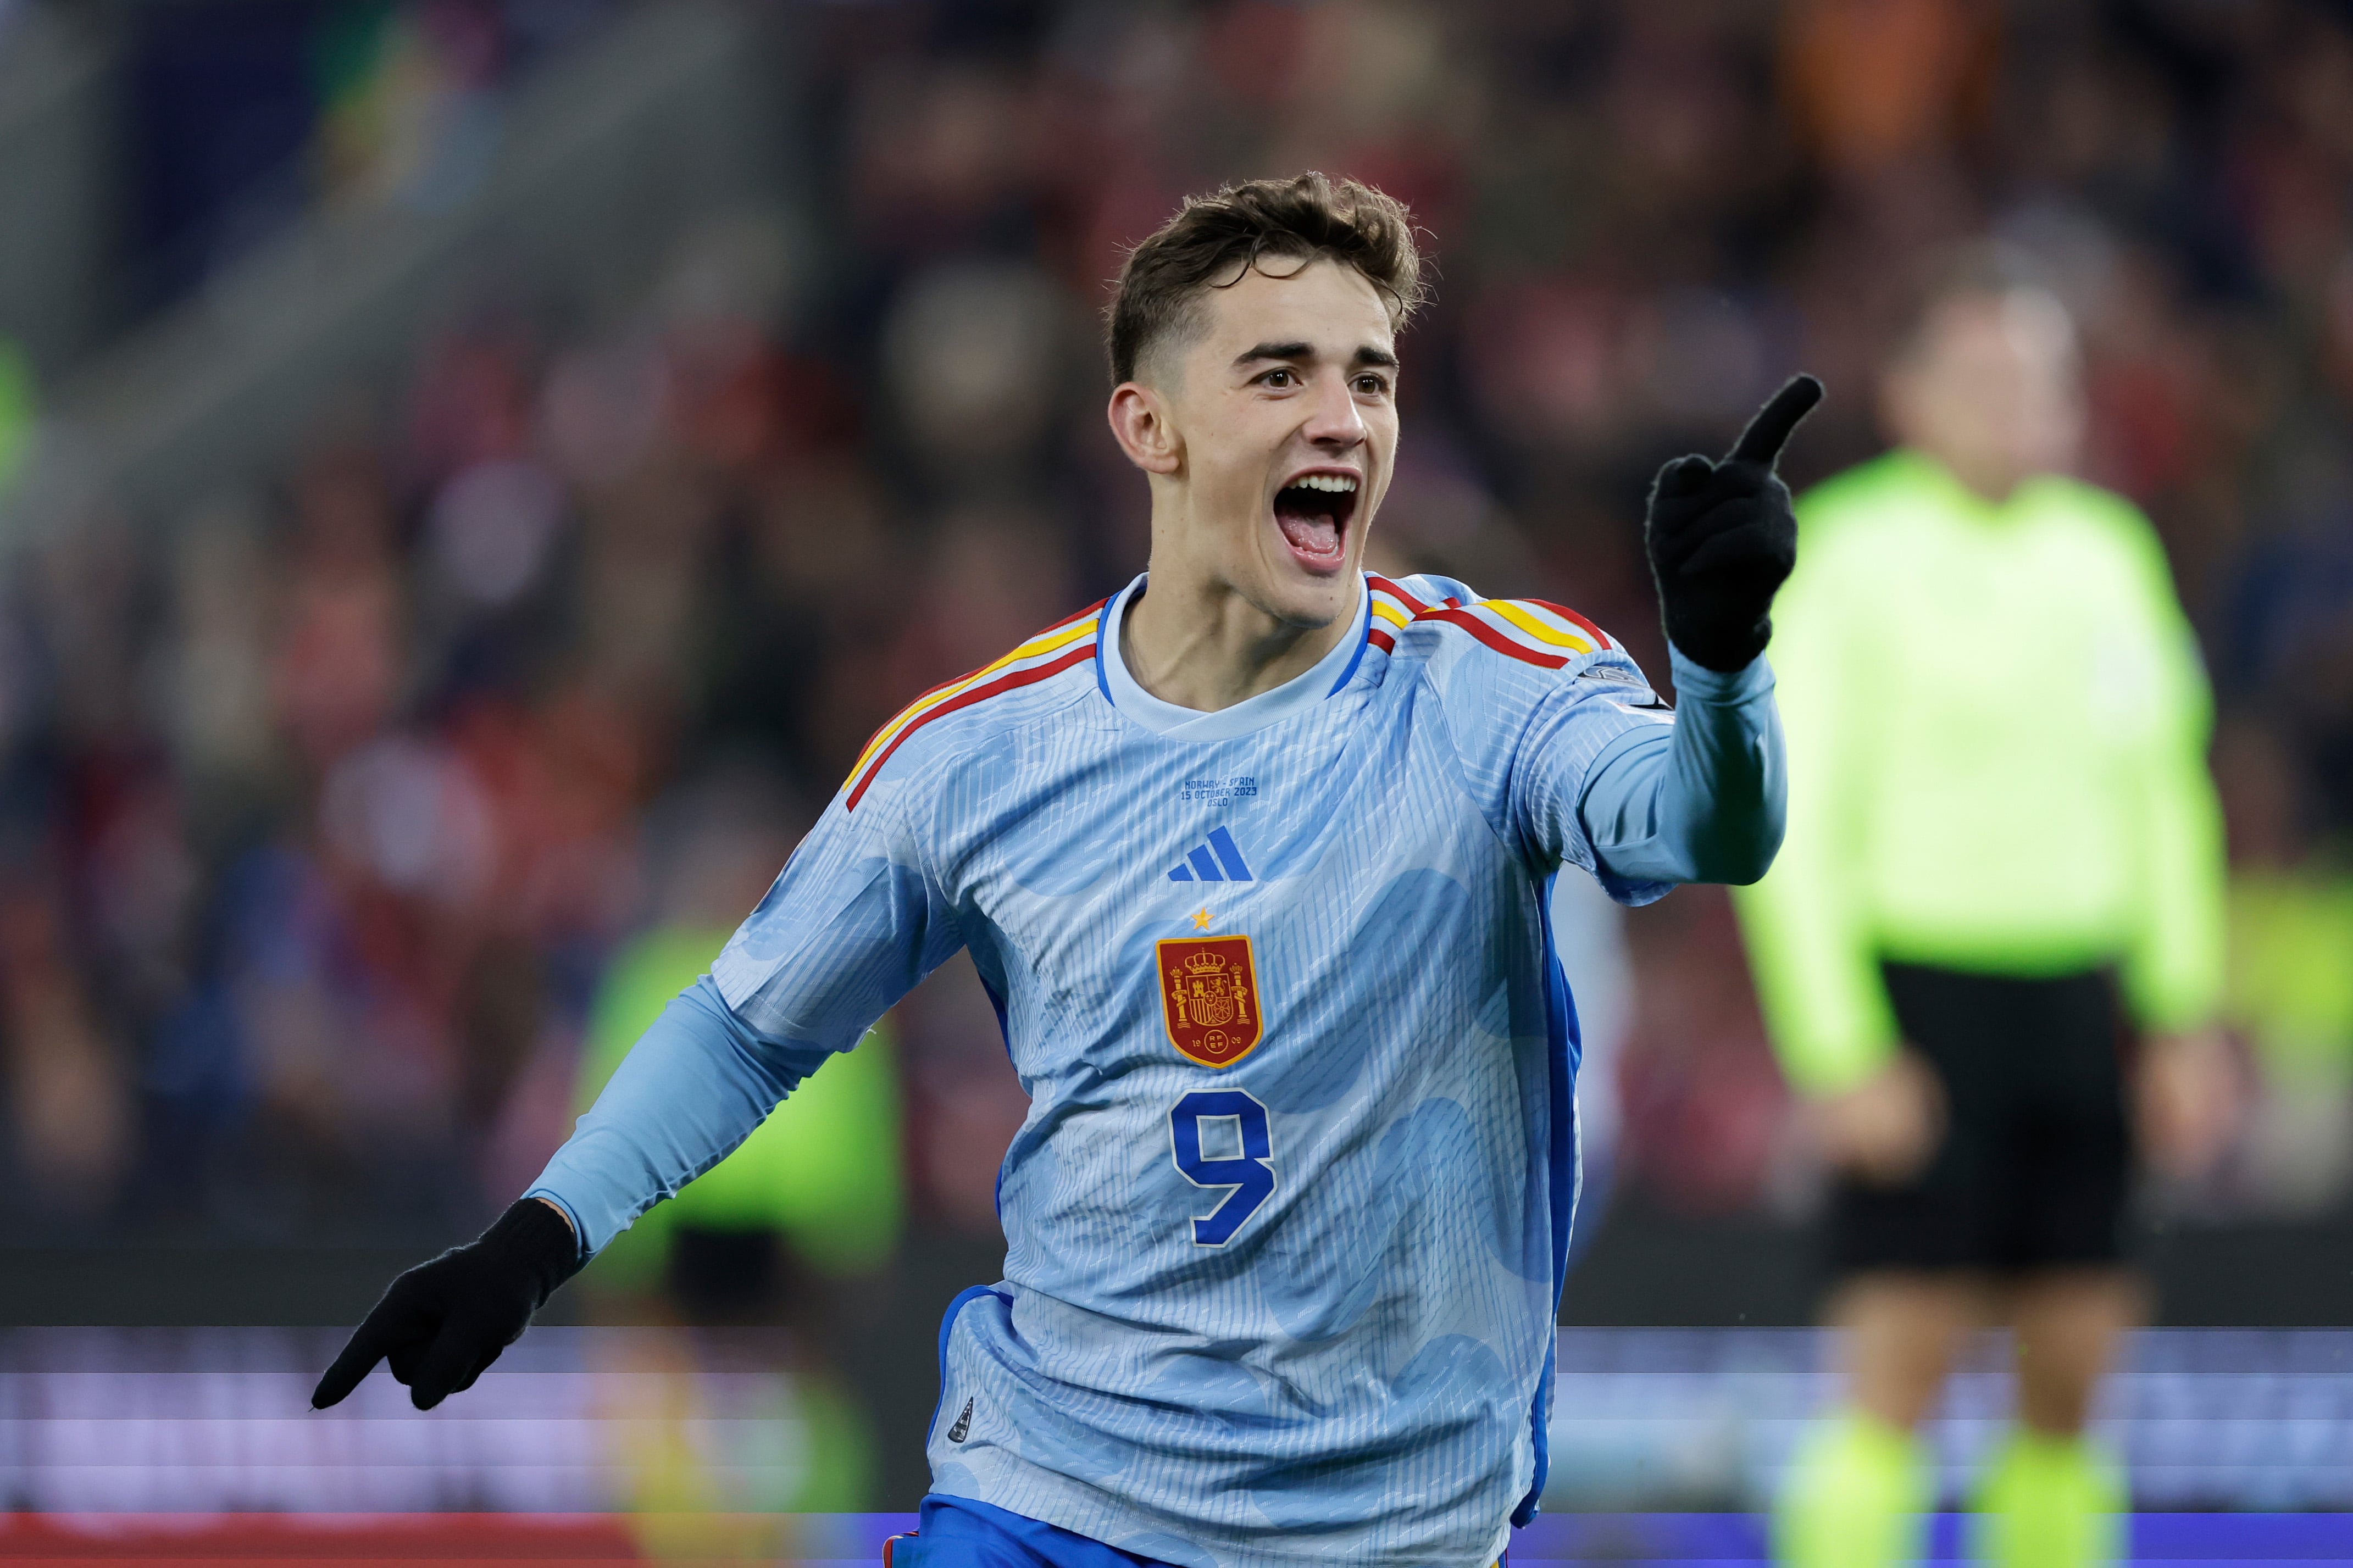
(1371, 385)
(1280, 376)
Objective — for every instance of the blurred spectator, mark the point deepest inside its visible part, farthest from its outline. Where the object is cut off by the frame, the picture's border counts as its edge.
(816, 1192)
(242, 115)
(768, 1236)
(2291, 980)
(19, 406)
(1877, 85)
(65, 1085)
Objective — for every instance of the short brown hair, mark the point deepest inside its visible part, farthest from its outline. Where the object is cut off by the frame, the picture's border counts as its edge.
(1309, 218)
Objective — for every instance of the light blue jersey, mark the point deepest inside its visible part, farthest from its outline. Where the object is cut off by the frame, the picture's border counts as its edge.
(1286, 1220)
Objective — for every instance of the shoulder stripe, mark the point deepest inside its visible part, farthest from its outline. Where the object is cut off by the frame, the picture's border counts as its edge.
(1056, 636)
(1529, 630)
(1494, 639)
(966, 698)
(1049, 653)
(1552, 636)
(1601, 639)
(1383, 586)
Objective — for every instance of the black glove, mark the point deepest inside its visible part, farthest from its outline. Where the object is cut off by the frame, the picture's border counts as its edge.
(442, 1323)
(1723, 536)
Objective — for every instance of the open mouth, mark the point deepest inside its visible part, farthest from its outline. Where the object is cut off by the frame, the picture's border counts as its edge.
(1313, 511)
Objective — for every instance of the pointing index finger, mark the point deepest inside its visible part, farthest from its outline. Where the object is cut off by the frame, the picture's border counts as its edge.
(358, 1359)
(1761, 443)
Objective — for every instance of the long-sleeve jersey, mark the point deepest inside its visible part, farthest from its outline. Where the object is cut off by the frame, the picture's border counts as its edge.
(1286, 1220)
(1997, 727)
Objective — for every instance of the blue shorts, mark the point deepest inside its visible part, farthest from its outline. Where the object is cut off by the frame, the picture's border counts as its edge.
(958, 1532)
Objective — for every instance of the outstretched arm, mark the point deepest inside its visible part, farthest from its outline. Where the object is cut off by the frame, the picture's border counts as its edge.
(1706, 801)
(1702, 800)
(849, 928)
(693, 1089)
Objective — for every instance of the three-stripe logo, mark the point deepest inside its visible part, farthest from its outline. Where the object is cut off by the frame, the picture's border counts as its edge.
(1217, 859)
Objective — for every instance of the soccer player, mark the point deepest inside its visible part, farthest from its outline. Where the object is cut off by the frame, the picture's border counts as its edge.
(1252, 860)
(2004, 851)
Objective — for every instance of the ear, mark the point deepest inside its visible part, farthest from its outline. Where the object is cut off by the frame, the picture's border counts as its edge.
(1141, 425)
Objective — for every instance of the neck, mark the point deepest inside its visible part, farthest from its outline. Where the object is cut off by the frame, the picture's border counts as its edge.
(1989, 483)
(1196, 642)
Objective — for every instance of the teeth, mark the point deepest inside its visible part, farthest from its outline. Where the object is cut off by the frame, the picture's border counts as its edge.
(1341, 483)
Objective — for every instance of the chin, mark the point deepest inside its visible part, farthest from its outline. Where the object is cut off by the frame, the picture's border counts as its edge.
(1317, 598)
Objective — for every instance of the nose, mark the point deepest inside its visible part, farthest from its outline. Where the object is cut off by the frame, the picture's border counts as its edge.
(1333, 421)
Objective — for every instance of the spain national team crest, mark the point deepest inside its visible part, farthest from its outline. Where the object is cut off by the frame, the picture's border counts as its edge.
(1208, 995)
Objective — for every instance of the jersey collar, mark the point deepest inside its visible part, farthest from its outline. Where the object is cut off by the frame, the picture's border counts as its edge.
(1294, 696)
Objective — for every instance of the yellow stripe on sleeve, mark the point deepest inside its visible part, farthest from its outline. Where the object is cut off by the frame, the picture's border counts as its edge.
(1063, 638)
(1535, 627)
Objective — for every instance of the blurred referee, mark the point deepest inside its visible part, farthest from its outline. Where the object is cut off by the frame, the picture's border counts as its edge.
(1991, 947)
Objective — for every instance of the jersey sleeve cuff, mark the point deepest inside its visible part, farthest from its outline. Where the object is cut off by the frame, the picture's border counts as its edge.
(580, 1231)
(1694, 682)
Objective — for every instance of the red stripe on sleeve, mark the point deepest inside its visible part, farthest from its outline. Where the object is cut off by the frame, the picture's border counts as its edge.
(1381, 640)
(981, 693)
(1394, 592)
(1600, 636)
(918, 702)
(1492, 639)
(967, 675)
(1067, 621)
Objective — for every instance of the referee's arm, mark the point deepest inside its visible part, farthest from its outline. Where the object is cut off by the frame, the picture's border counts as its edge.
(2173, 969)
(2187, 1090)
(1806, 932)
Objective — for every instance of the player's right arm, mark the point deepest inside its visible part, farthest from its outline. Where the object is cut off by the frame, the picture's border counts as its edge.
(849, 927)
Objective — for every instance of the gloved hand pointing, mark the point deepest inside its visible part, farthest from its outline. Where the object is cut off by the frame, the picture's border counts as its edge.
(1723, 536)
(442, 1323)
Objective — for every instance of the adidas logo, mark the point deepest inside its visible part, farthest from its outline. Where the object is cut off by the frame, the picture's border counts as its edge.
(963, 1428)
(1218, 860)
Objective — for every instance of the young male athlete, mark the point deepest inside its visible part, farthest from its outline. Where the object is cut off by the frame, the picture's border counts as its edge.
(1253, 860)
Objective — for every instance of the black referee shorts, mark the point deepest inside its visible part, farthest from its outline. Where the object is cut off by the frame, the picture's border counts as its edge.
(2037, 1155)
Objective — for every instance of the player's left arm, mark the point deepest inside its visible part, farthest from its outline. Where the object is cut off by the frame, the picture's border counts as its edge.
(1701, 800)
(1707, 801)
(2172, 970)
(2187, 1085)
(1602, 774)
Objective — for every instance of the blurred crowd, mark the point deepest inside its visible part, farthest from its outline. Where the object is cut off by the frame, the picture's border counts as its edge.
(326, 807)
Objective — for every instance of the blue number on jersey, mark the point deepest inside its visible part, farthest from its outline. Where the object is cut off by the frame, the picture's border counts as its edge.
(1250, 1176)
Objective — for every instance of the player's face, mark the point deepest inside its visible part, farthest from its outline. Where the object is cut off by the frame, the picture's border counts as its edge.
(1994, 390)
(1284, 408)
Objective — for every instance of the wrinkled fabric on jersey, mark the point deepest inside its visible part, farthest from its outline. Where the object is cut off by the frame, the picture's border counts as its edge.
(1284, 1229)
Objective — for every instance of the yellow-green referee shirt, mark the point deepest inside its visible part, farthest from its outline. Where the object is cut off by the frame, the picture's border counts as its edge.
(1997, 725)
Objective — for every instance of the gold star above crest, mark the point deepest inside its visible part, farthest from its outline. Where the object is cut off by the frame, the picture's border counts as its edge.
(1201, 919)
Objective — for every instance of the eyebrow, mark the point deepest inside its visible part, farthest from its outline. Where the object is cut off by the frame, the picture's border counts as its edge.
(1365, 355)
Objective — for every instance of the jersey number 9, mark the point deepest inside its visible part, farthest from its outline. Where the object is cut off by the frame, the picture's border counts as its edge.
(1250, 1174)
